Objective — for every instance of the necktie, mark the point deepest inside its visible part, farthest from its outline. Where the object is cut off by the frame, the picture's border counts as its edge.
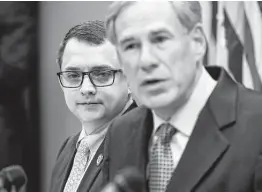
(78, 168)
(161, 161)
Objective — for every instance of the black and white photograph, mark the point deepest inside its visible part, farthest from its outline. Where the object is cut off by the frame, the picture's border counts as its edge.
(131, 96)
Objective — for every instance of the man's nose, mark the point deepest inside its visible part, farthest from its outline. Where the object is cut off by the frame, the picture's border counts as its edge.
(148, 60)
(87, 87)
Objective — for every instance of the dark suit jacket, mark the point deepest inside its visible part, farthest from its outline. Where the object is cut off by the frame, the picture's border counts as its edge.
(92, 180)
(224, 152)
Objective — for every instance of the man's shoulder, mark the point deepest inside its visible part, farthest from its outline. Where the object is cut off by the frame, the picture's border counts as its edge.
(249, 99)
(133, 116)
(130, 119)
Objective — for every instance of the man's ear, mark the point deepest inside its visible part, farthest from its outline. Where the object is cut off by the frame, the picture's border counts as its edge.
(58, 78)
(60, 83)
(199, 41)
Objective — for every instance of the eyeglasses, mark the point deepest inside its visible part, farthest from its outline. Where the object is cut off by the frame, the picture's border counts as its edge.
(99, 78)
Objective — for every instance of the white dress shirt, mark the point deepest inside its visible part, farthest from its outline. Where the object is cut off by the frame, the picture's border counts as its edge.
(185, 118)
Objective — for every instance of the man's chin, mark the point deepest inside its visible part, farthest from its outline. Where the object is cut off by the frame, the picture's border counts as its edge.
(90, 116)
(157, 101)
(153, 100)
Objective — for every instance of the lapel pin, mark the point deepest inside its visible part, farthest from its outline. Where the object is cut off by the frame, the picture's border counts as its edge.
(99, 159)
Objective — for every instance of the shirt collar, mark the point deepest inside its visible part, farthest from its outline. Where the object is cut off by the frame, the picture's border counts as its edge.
(185, 118)
(93, 139)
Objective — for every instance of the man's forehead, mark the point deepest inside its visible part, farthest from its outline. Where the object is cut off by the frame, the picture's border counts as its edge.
(75, 45)
(146, 17)
(79, 53)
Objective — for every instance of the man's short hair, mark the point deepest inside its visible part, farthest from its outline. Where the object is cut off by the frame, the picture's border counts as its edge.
(189, 14)
(93, 32)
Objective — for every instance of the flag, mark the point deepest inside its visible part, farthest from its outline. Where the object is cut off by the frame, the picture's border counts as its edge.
(234, 33)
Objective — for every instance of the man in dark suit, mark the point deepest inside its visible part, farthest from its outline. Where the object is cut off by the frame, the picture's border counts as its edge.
(95, 91)
(198, 130)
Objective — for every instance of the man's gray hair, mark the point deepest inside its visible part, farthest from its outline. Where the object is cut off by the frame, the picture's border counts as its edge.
(188, 12)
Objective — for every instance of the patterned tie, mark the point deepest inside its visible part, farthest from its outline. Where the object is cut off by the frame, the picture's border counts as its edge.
(78, 168)
(161, 161)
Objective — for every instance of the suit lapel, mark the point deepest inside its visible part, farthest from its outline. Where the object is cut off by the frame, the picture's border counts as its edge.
(144, 142)
(93, 169)
(138, 141)
(204, 148)
(65, 163)
(207, 143)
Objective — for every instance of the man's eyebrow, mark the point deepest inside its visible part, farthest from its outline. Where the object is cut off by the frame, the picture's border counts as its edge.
(126, 40)
(101, 67)
(153, 32)
(160, 31)
(70, 68)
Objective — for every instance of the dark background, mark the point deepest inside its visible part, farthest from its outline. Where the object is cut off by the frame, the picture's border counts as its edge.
(19, 125)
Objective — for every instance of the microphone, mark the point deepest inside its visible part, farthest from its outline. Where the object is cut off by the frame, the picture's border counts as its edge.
(127, 180)
(12, 176)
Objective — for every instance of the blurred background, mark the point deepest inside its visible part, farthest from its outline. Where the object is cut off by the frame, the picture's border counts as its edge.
(34, 120)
